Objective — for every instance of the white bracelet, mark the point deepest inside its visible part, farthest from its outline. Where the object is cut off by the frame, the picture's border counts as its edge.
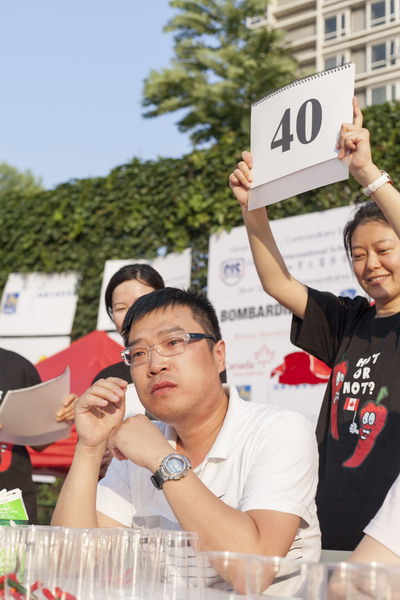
(372, 187)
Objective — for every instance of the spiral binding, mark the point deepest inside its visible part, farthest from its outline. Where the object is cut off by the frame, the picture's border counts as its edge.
(302, 80)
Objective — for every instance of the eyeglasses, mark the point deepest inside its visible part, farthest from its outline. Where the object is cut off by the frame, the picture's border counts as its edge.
(175, 343)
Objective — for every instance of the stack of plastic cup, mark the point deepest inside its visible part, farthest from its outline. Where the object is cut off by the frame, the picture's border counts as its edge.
(97, 564)
(175, 576)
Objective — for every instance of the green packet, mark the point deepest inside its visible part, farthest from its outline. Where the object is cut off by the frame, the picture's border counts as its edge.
(12, 508)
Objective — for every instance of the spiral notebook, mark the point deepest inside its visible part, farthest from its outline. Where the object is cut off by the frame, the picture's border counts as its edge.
(294, 132)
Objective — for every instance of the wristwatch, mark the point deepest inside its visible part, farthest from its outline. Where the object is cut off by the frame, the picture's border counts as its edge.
(173, 466)
(372, 187)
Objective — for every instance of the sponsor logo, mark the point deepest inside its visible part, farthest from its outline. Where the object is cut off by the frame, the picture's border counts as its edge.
(260, 358)
(10, 303)
(253, 312)
(264, 356)
(232, 271)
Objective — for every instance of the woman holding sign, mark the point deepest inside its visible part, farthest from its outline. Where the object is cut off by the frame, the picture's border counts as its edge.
(359, 425)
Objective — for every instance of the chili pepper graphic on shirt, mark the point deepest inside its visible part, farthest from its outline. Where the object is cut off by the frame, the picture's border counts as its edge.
(373, 417)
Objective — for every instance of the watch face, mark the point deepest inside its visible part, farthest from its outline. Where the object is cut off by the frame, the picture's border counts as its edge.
(175, 465)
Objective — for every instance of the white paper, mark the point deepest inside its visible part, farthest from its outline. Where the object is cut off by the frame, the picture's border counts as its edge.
(279, 174)
(28, 416)
(311, 178)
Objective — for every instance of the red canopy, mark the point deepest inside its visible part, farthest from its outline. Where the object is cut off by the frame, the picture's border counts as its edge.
(85, 357)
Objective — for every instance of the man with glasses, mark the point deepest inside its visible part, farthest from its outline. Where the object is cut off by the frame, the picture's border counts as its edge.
(241, 474)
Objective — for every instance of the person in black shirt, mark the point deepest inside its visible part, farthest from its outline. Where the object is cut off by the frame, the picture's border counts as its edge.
(16, 372)
(359, 424)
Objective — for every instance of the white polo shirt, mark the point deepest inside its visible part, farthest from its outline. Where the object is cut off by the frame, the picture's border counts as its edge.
(385, 526)
(263, 458)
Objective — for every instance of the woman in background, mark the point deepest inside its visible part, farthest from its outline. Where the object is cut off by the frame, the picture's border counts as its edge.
(125, 286)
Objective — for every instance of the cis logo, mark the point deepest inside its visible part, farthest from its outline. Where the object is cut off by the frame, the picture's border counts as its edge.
(232, 271)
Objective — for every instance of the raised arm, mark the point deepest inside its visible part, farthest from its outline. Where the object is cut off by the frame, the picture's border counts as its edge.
(271, 268)
(97, 412)
(354, 147)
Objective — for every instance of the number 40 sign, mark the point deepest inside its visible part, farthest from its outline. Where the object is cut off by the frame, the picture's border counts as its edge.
(308, 125)
(294, 133)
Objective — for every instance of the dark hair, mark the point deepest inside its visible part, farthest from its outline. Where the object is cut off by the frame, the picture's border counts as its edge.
(367, 212)
(202, 309)
(139, 271)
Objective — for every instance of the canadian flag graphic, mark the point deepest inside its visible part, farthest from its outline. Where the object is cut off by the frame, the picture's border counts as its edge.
(351, 404)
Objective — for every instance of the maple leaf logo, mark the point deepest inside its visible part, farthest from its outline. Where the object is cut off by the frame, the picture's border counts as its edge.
(264, 356)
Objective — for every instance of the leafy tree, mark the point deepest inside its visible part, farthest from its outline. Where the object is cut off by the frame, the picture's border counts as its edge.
(12, 180)
(220, 68)
(144, 205)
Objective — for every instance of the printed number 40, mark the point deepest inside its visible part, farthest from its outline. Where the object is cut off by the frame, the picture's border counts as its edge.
(284, 126)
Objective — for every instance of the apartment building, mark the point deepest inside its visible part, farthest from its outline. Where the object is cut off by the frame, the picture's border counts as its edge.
(327, 33)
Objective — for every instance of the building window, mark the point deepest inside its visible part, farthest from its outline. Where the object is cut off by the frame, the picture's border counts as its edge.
(384, 93)
(382, 12)
(378, 56)
(335, 26)
(383, 55)
(334, 61)
(378, 95)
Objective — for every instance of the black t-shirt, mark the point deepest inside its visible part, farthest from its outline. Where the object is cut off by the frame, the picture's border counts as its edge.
(15, 465)
(359, 425)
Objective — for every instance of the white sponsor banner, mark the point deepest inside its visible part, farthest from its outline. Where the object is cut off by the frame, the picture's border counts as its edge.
(38, 304)
(255, 327)
(36, 349)
(174, 268)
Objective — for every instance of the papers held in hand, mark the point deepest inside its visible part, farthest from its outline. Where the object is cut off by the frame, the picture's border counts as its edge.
(28, 416)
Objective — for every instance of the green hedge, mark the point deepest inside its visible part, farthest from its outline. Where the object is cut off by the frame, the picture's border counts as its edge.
(144, 205)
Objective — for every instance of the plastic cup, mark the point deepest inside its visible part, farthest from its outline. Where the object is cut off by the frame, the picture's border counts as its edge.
(133, 559)
(351, 581)
(175, 576)
(232, 575)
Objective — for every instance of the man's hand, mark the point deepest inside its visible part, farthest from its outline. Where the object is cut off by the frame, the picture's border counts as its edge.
(99, 410)
(66, 412)
(140, 441)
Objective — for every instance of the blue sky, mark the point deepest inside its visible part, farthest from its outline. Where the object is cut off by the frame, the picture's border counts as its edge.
(72, 82)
